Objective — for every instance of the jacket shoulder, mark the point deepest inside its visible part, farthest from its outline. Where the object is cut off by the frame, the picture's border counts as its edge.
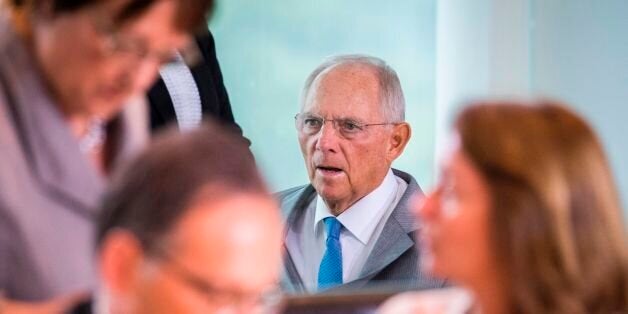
(294, 197)
(287, 193)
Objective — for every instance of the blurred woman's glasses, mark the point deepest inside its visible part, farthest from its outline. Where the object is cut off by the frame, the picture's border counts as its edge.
(115, 42)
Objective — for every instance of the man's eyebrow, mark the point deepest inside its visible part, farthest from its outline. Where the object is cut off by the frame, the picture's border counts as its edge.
(350, 118)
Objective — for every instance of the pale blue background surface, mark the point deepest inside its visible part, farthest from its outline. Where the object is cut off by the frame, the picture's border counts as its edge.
(581, 55)
(445, 52)
(268, 48)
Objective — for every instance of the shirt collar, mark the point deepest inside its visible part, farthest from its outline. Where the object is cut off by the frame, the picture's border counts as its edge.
(361, 218)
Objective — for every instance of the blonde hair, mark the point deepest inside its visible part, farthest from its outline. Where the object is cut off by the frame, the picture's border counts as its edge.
(557, 221)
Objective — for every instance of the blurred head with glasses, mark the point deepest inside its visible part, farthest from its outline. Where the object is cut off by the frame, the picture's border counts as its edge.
(93, 55)
(177, 238)
(351, 127)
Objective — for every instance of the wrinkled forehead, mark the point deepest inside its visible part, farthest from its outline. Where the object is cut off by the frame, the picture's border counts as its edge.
(345, 90)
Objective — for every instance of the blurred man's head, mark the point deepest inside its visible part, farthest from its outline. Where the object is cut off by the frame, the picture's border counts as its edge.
(189, 227)
(349, 157)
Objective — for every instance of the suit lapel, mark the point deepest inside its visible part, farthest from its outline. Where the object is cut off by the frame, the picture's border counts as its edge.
(291, 279)
(294, 203)
(392, 243)
(395, 238)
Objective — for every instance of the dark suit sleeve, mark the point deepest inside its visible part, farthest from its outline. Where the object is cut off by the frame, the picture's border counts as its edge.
(211, 88)
(208, 49)
(209, 73)
(161, 107)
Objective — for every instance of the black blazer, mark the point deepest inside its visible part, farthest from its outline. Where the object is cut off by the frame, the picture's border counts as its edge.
(214, 99)
(84, 307)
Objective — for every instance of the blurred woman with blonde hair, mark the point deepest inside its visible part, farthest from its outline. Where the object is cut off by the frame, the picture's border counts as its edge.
(526, 216)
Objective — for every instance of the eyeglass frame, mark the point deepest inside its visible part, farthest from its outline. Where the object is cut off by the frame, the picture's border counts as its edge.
(335, 123)
(117, 43)
(269, 300)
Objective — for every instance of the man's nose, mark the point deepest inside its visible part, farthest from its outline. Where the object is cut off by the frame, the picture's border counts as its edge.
(327, 137)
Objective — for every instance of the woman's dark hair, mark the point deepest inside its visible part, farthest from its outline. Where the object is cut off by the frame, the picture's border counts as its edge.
(556, 217)
(191, 14)
(153, 192)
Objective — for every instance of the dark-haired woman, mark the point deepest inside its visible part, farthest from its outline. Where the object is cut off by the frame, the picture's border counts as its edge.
(69, 70)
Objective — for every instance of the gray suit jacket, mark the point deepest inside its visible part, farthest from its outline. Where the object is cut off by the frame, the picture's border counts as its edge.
(393, 264)
(49, 191)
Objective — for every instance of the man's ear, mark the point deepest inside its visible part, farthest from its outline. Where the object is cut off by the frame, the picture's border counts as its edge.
(398, 140)
(121, 256)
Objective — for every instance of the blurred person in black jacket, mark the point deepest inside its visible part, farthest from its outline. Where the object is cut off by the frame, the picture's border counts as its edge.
(185, 94)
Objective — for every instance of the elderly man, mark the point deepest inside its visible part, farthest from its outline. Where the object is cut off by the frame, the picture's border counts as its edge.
(178, 238)
(350, 227)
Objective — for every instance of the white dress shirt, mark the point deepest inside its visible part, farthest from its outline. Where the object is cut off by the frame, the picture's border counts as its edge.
(362, 224)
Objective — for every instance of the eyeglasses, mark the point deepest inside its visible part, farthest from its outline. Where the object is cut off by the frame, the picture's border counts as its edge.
(310, 124)
(267, 302)
(118, 43)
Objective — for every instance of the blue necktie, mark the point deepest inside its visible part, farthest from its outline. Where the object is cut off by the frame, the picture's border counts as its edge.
(330, 270)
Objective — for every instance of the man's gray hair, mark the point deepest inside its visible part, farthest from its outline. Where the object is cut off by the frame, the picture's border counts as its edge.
(392, 101)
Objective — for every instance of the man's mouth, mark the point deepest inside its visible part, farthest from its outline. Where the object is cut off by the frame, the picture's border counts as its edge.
(328, 170)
